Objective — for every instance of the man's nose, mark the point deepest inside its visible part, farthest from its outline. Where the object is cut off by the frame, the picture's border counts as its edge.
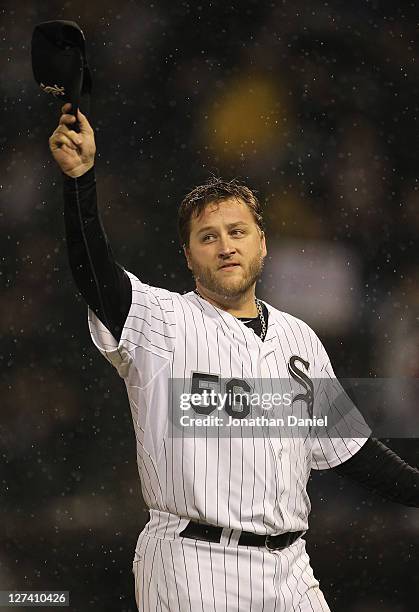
(226, 246)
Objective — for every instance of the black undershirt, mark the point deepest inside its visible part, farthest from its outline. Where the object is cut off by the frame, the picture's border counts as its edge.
(93, 266)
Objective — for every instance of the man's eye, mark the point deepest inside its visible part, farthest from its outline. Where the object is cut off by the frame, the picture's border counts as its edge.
(237, 232)
(207, 237)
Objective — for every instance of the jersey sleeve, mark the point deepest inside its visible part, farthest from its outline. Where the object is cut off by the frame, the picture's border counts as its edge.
(100, 279)
(346, 431)
(148, 336)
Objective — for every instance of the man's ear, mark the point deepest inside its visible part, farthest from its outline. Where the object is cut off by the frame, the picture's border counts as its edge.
(187, 255)
(263, 245)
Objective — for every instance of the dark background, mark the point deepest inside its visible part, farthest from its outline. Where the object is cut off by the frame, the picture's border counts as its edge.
(314, 105)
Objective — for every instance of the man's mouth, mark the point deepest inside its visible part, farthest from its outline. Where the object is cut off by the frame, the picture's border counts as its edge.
(228, 266)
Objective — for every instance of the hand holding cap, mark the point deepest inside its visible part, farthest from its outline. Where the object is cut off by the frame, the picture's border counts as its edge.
(59, 62)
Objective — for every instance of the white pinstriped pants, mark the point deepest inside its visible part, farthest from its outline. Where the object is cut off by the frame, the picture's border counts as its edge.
(175, 574)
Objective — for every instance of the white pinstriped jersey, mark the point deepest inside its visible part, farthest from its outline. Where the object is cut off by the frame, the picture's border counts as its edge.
(250, 483)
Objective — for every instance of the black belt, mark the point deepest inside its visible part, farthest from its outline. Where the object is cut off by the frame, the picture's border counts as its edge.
(211, 533)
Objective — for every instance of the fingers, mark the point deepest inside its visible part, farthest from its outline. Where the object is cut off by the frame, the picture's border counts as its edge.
(85, 127)
(84, 124)
(71, 134)
(67, 119)
(63, 135)
(59, 139)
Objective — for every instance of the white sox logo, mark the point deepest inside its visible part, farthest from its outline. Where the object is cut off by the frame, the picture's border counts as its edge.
(55, 90)
(301, 378)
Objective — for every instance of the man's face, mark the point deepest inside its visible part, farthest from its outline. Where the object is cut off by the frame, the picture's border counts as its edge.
(226, 249)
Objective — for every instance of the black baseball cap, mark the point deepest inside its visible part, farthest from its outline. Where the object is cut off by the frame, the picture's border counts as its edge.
(59, 63)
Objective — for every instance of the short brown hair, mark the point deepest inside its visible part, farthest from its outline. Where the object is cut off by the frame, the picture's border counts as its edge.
(214, 190)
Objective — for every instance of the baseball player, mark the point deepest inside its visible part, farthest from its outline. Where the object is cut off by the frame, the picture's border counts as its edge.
(228, 511)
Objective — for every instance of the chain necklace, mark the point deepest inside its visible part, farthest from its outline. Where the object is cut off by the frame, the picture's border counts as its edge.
(260, 315)
(262, 319)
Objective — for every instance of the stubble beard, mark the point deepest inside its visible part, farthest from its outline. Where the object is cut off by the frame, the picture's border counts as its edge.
(228, 288)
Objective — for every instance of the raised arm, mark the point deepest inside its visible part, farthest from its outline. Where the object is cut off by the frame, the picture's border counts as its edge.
(100, 279)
